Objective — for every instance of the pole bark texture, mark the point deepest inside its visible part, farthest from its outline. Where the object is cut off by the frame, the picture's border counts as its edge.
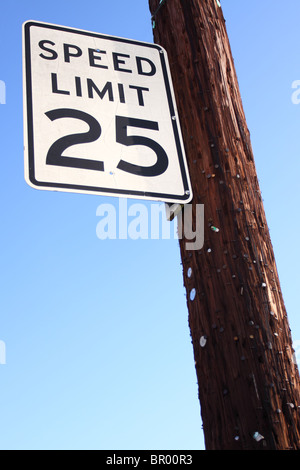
(246, 370)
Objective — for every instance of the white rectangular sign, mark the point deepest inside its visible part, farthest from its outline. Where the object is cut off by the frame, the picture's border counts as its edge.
(100, 116)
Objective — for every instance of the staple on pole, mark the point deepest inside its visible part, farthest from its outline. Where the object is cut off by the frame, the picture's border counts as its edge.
(161, 3)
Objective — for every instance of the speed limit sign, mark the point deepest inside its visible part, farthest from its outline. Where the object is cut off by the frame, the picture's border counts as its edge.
(100, 116)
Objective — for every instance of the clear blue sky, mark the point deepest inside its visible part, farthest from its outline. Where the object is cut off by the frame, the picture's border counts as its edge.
(98, 352)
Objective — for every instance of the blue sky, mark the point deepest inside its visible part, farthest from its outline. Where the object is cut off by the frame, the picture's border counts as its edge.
(98, 351)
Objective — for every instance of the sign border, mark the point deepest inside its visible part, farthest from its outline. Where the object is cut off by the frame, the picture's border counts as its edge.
(29, 132)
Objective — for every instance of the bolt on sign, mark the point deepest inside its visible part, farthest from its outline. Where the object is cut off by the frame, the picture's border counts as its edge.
(100, 116)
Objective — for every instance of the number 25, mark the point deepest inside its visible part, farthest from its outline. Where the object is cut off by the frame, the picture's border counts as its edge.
(55, 157)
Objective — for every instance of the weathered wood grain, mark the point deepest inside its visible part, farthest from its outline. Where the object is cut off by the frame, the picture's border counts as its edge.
(248, 381)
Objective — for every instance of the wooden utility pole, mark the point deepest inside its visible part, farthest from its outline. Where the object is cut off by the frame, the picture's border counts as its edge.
(248, 380)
